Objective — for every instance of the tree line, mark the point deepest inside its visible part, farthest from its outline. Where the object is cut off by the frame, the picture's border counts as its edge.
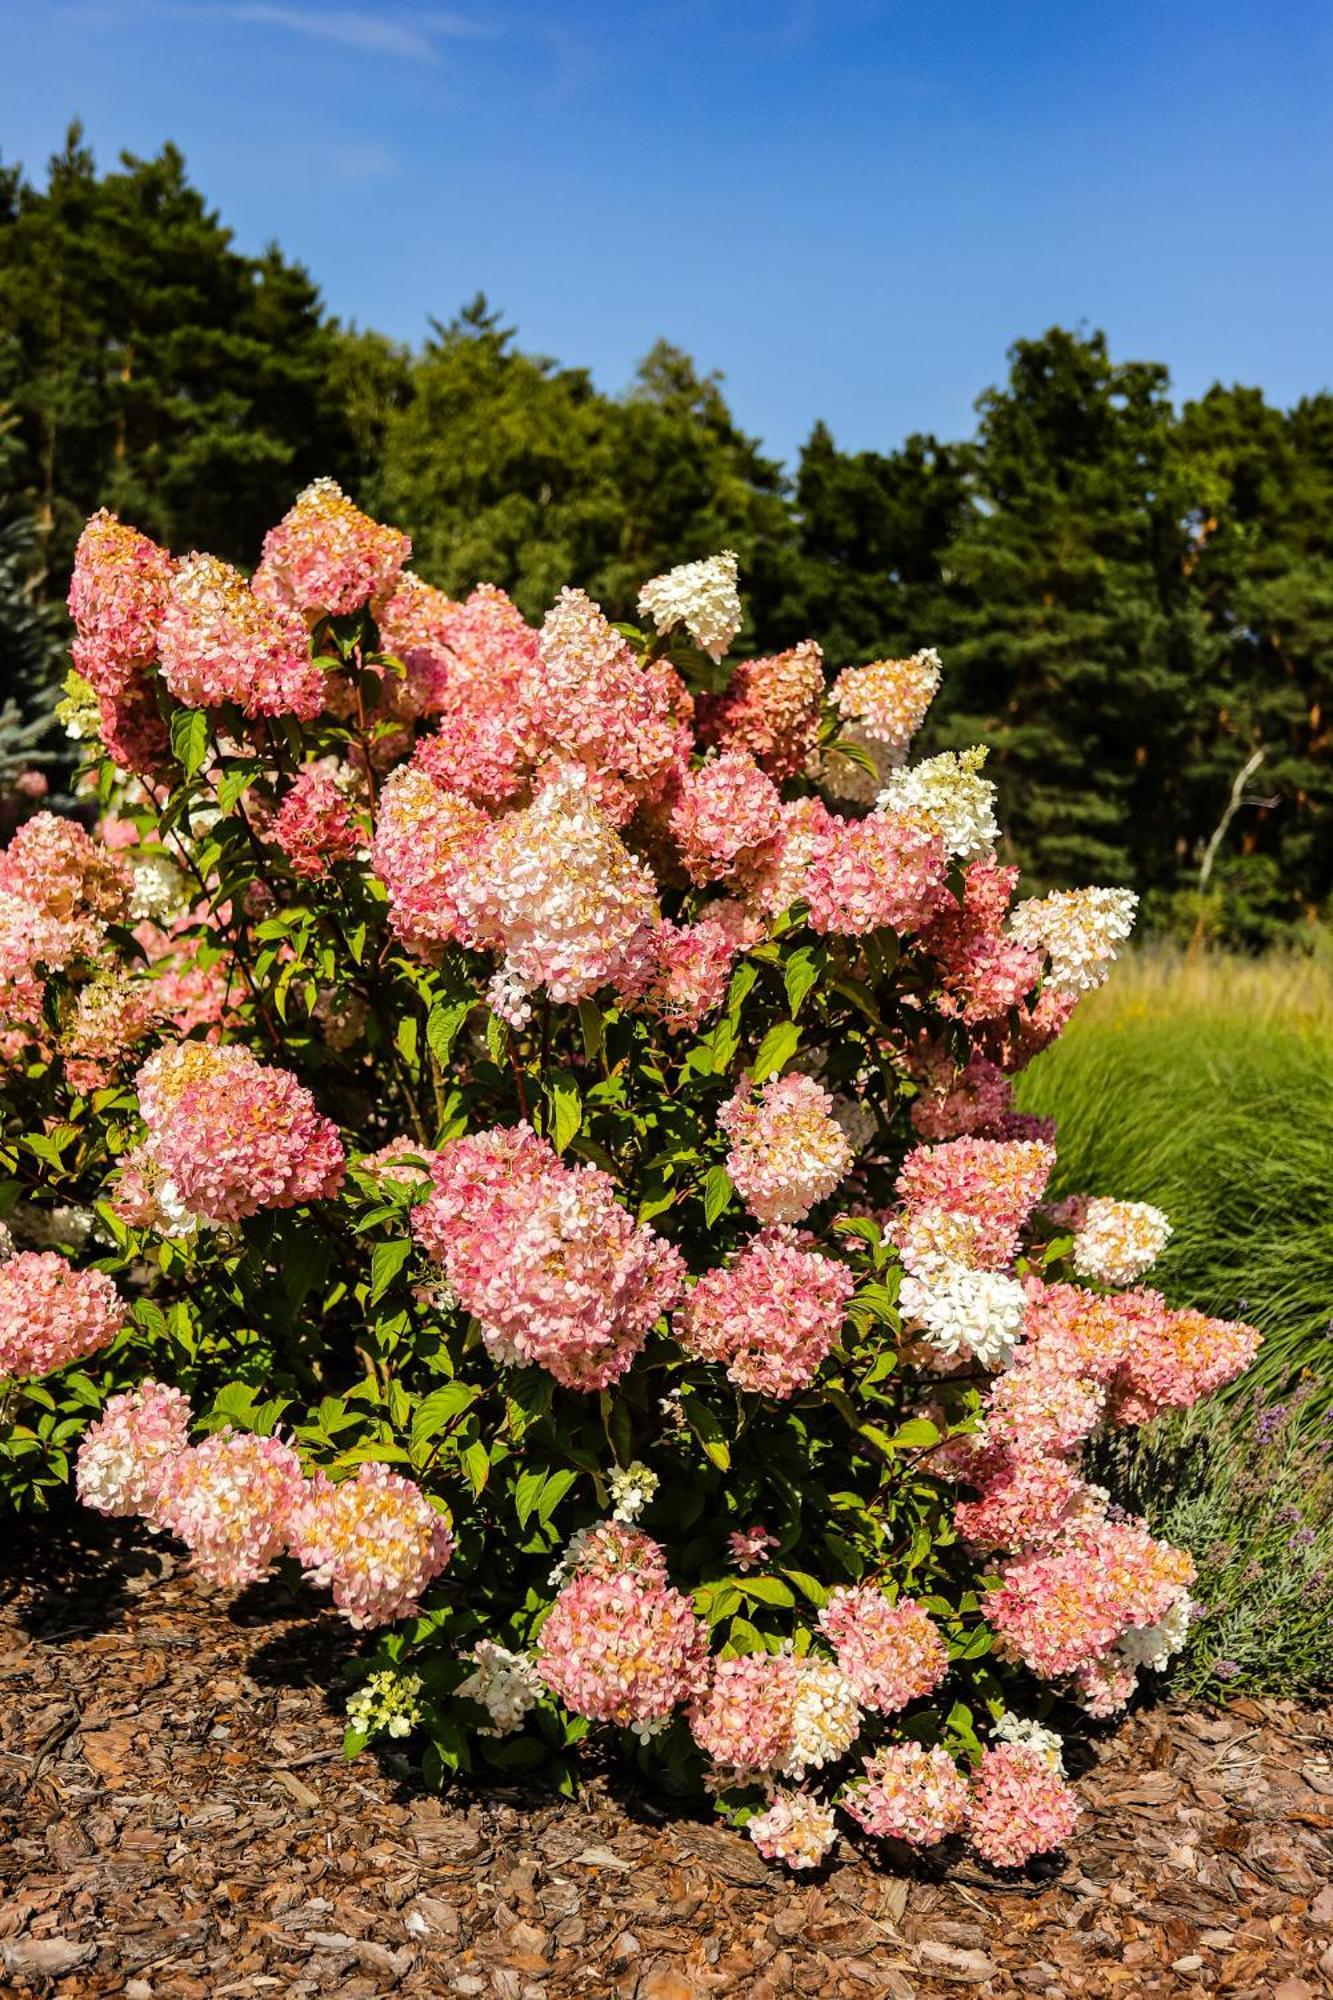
(1134, 598)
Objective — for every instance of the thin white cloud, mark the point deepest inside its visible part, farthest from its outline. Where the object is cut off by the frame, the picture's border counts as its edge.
(414, 35)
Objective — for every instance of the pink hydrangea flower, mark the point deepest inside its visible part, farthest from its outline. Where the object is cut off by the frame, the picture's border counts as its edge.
(64, 873)
(315, 825)
(543, 1254)
(797, 1829)
(325, 558)
(424, 847)
(1063, 1607)
(230, 1500)
(113, 1013)
(51, 1314)
(1035, 1409)
(771, 1316)
(624, 1649)
(221, 643)
(771, 708)
(233, 1136)
(554, 889)
(750, 1547)
(374, 1539)
(891, 1653)
(727, 819)
(591, 702)
(116, 598)
(909, 1794)
(996, 1183)
(881, 872)
(743, 1717)
(1020, 1806)
(691, 968)
(787, 1150)
(123, 1455)
(1023, 1502)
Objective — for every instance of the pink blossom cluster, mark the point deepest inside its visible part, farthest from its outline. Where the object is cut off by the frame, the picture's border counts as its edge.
(424, 845)
(113, 1013)
(891, 1652)
(591, 702)
(994, 1183)
(52, 1314)
(1063, 1608)
(771, 1316)
(374, 1539)
(325, 558)
(727, 819)
(232, 1136)
(556, 893)
(545, 1256)
(774, 1714)
(884, 872)
(690, 968)
(625, 1648)
(219, 642)
(116, 598)
(123, 1456)
(1020, 1806)
(795, 1828)
(64, 874)
(315, 825)
(230, 1500)
(771, 709)
(787, 1150)
(984, 971)
(909, 1793)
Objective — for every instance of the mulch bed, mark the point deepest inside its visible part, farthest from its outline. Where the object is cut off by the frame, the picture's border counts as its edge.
(176, 1819)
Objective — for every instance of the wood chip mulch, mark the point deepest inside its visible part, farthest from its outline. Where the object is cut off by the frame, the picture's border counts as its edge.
(176, 1818)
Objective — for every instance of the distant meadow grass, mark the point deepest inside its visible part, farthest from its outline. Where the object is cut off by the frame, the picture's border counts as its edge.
(1205, 1084)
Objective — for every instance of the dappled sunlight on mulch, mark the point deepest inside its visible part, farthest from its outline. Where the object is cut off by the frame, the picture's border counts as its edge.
(176, 1818)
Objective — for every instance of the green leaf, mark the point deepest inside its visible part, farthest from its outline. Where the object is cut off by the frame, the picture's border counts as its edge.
(717, 1193)
(437, 1410)
(767, 1590)
(708, 1431)
(566, 1108)
(593, 1026)
(801, 973)
(189, 738)
(776, 1050)
(526, 1493)
(917, 1431)
(443, 1025)
(477, 1465)
(386, 1261)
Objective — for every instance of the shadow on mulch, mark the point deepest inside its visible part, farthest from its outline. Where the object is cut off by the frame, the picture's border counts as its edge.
(70, 1570)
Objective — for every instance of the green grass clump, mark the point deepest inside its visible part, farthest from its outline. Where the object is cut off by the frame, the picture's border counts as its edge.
(1205, 1085)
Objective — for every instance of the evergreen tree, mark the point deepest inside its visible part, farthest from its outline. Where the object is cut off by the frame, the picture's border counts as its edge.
(161, 372)
(1072, 645)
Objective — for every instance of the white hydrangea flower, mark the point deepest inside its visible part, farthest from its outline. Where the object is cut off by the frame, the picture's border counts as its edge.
(1049, 1747)
(158, 889)
(961, 1311)
(504, 1683)
(632, 1487)
(1153, 1645)
(1117, 1241)
(701, 596)
(826, 1718)
(1079, 930)
(948, 794)
(386, 1705)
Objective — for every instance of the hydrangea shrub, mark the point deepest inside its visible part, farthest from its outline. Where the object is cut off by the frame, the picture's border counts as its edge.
(517, 1123)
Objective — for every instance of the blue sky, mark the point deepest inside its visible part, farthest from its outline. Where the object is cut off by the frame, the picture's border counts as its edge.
(850, 207)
